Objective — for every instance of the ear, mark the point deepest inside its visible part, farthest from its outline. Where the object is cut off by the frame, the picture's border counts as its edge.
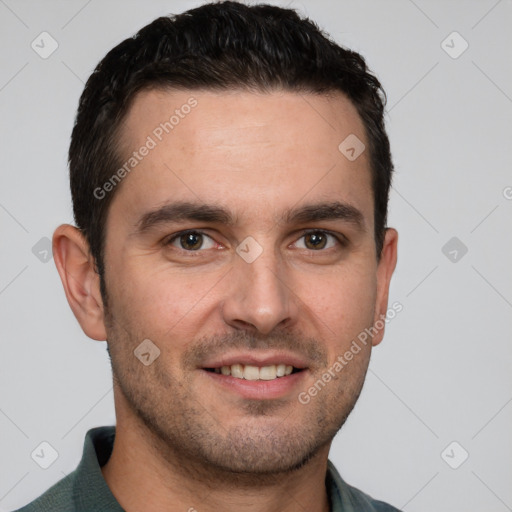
(385, 269)
(76, 268)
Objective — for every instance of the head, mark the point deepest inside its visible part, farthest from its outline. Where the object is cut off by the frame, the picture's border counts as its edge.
(218, 216)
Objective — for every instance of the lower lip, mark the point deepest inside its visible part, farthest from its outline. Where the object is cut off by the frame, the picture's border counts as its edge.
(259, 389)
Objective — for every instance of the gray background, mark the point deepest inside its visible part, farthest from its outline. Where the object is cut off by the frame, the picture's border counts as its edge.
(442, 373)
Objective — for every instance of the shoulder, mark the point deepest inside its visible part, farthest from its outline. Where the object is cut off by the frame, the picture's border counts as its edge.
(361, 499)
(346, 497)
(57, 498)
(84, 489)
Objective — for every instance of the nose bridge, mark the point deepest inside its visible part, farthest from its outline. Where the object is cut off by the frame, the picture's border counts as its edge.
(266, 276)
(259, 294)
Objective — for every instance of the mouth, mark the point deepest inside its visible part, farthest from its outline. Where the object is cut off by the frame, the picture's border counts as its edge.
(255, 373)
(257, 376)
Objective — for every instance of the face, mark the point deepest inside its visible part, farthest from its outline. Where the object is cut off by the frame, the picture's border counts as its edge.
(242, 245)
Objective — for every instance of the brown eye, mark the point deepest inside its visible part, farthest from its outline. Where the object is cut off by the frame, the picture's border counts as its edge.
(316, 240)
(191, 241)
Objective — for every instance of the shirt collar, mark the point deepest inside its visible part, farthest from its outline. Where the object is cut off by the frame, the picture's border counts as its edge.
(89, 480)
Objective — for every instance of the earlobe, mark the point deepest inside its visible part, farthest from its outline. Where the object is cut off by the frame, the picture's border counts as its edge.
(385, 269)
(81, 283)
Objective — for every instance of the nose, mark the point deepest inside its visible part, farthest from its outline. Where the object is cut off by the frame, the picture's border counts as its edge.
(260, 296)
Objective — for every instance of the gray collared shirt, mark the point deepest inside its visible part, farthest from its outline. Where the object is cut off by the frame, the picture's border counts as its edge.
(85, 489)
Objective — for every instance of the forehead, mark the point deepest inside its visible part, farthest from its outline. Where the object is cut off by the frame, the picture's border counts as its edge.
(245, 151)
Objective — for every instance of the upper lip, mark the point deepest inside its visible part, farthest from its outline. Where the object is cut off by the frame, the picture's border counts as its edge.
(257, 359)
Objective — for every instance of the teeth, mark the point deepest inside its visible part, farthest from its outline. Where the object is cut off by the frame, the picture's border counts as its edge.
(237, 370)
(268, 372)
(250, 372)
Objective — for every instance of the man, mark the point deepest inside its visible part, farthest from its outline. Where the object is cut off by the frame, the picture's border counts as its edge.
(230, 174)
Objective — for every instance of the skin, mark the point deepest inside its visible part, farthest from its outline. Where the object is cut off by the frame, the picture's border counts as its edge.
(182, 440)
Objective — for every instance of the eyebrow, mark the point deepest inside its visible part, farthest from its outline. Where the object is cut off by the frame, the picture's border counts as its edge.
(189, 211)
(326, 211)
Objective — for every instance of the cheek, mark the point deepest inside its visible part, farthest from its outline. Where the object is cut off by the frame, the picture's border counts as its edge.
(157, 301)
(342, 302)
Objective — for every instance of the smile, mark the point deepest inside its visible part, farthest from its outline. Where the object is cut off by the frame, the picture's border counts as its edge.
(251, 372)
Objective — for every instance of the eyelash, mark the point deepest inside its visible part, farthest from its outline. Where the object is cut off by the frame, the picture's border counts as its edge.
(340, 239)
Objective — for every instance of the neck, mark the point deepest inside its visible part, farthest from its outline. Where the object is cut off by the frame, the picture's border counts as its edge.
(144, 474)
